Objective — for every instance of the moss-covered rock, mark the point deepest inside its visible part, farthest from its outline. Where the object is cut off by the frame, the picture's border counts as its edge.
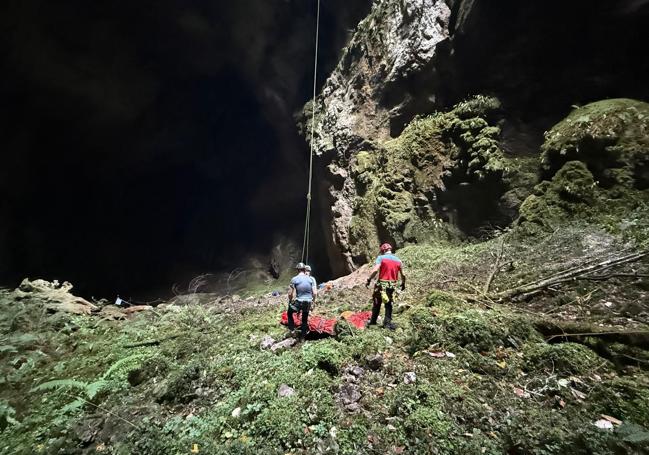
(473, 329)
(596, 166)
(326, 355)
(566, 358)
(611, 137)
(406, 188)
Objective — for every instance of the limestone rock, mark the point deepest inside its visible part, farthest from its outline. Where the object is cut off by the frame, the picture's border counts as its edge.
(285, 391)
(386, 49)
(56, 297)
(374, 362)
(283, 345)
(267, 342)
(409, 377)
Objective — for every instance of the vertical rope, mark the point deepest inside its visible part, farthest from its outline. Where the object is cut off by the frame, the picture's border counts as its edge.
(307, 221)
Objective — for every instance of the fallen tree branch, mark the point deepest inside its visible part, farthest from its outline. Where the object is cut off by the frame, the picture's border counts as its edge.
(537, 286)
(152, 342)
(494, 270)
(599, 334)
(615, 275)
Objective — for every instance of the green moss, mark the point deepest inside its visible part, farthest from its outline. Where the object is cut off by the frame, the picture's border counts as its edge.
(596, 163)
(478, 106)
(566, 358)
(420, 407)
(606, 135)
(443, 299)
(626, 398)
(475, 330)
(396, 183)
(551, 432)
(326, 354)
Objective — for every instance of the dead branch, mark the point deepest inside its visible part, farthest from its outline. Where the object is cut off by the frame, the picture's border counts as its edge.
(151, 342)
(614, 275)
(565, 276)
(494, 270)
(599, 334)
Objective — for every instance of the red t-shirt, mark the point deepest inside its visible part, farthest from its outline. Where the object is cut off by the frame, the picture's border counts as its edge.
(390, 267)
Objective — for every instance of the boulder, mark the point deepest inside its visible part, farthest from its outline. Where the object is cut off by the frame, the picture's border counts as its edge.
(410, 377)
(374, 362)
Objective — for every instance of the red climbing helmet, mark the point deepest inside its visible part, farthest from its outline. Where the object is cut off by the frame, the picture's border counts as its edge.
(385, 247)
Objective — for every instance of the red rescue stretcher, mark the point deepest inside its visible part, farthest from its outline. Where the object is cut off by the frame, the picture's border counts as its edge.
(322, 325)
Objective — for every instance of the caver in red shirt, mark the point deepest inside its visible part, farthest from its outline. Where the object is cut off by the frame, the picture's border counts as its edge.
(390, 267)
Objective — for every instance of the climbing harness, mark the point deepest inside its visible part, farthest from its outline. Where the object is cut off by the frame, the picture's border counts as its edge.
(307, 221)
(387, 286)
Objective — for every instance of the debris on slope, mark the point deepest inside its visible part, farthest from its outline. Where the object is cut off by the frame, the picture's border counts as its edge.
(54, 295)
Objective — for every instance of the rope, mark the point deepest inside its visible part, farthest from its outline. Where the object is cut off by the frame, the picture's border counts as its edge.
(307, 221)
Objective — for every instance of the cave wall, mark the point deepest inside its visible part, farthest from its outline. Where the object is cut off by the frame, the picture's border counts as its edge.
(409, 58)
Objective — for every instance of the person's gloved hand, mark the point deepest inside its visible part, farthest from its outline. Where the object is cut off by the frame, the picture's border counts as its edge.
(403, 286)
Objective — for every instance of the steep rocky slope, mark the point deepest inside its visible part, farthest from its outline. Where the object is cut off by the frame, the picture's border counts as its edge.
(461, 374)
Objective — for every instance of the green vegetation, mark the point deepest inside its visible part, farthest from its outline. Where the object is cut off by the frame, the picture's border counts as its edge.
(486, 381)
(398, 184)
(596, 168)
(463, 373)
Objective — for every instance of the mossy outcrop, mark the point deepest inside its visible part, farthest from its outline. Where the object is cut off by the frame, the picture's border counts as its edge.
(472, 329)
(611, 137)
(596, 167)
(442, 178)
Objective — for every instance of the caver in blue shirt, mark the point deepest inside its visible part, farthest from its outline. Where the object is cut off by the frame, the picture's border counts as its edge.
(303, 285)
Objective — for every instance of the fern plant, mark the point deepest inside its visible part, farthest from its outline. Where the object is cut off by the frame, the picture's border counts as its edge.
(111, 379)
(89, 389)
(7, 414)
(119, 370)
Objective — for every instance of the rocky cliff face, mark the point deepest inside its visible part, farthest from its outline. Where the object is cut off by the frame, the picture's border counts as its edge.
(354, 111)
(464, 166)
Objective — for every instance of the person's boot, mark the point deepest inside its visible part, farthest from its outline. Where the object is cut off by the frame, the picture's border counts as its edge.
(387, 321)
(375, 314)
